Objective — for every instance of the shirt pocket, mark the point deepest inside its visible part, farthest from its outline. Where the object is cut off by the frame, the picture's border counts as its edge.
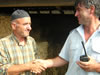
(96, 49)
(75, 47)
(75, 52)
(96, 45)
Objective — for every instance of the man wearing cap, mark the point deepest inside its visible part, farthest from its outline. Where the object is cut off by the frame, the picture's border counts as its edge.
(18, 50)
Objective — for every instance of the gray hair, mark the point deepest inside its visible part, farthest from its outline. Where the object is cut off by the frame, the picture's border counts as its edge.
(88, 3)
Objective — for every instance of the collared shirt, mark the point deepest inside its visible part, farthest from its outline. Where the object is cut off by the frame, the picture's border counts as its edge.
(73, 49)
(11, 52)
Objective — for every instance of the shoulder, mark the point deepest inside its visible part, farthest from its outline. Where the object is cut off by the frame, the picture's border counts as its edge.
(73, 31)
(30, 38)
(5, 38)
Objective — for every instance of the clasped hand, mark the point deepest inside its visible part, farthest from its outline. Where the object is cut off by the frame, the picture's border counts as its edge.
(88, 66)
(37, 67)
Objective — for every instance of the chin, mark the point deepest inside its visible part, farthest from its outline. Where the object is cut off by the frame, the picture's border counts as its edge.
(26, 35)
(80, 23)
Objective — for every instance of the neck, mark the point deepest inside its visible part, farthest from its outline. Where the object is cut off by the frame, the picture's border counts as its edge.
(22, 40)
(92, 26)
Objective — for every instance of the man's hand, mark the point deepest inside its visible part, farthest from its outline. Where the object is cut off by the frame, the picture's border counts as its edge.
(39, 67)
(36, 67)
(88, 66)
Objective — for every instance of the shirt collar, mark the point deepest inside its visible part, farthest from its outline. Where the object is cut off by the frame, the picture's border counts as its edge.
(99, 28)
(80, 30)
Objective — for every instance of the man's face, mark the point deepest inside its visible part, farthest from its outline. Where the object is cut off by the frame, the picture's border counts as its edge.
(83, 14)
(22, 27)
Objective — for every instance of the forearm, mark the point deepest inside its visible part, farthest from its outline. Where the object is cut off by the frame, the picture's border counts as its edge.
(56, 62)
(17, 69)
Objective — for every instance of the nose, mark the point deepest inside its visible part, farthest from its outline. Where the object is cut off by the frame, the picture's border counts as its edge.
(76, 13)
(29, 27)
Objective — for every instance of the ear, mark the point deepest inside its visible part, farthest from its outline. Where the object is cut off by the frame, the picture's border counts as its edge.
(92, 9)
(13, 25)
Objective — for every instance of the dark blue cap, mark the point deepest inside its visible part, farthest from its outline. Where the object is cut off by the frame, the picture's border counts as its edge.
(19, 14)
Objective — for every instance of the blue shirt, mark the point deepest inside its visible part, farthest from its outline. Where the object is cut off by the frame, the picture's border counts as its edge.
(73, 49)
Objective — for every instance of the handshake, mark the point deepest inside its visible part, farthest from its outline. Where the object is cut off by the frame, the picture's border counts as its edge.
(38, 65)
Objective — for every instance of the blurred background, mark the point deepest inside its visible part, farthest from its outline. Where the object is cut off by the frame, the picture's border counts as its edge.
(52, 20)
